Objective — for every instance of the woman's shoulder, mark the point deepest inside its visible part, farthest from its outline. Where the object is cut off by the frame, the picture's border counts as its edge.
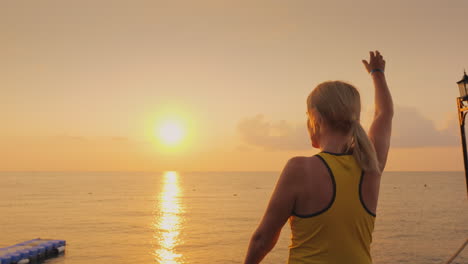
(299, 166)
(303, 160)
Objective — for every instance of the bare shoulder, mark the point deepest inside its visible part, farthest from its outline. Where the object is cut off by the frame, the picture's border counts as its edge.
(297, 163)
(300, 166)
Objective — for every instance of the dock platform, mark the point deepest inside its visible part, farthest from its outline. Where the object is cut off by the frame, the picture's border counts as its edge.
(32, 251)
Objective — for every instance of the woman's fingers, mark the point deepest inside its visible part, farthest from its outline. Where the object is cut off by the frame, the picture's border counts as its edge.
(375, 56)
(376, 61)
(379, 56)
(366, 64)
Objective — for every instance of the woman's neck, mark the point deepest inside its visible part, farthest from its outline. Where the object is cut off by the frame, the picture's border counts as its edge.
(334, 143)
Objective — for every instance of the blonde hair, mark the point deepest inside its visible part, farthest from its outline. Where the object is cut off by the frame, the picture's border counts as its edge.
(339, 105)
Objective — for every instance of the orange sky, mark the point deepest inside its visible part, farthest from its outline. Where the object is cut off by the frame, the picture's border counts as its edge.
(84, 83)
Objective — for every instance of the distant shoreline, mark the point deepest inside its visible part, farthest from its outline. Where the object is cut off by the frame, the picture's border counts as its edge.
(240, 171)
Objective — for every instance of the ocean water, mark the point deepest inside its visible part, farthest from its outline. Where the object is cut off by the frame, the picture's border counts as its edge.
(177, 217)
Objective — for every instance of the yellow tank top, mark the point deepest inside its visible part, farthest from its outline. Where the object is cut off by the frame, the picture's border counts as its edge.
(342, 232)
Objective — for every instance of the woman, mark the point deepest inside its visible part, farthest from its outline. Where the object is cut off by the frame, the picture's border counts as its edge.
(331, 197)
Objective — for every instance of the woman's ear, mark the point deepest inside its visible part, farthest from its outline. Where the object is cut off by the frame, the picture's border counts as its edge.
(318, 118)
(314, 123)
(316, 135)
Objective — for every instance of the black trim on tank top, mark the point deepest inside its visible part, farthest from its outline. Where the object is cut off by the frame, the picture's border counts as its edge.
(360, 196)
(336, 154)
(334, 193)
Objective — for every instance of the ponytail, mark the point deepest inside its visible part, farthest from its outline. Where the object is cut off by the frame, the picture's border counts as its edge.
(363, 149)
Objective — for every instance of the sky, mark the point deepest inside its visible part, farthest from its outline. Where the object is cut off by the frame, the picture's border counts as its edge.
(84, 84)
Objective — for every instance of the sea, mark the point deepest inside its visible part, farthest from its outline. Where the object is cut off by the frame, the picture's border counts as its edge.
(208, 217)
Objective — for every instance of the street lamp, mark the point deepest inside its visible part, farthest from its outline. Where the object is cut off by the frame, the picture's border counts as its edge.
(463, 85)
(462, 105)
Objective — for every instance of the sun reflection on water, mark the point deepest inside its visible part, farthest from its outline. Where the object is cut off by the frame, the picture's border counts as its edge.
(168, 221)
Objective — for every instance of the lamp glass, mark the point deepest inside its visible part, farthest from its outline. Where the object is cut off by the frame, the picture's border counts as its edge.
(462, 87)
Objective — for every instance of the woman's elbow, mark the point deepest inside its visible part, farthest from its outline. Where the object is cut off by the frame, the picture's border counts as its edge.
(263, 242)
(384, 114)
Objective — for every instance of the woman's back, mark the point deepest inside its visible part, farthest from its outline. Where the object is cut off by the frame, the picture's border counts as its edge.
(331, 223)
(329, 201)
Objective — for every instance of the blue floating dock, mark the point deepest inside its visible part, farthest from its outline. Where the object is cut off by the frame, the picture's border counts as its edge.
(31, 251)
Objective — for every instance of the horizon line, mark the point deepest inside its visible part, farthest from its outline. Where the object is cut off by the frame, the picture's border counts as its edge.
(197, 171)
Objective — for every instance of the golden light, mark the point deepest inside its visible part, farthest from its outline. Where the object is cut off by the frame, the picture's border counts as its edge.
(171, 132)
(168, 222)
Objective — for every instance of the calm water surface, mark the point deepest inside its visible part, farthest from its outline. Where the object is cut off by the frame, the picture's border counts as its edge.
(181, 218)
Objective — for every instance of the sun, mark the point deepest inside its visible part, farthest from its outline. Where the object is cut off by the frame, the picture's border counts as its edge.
(171, 132)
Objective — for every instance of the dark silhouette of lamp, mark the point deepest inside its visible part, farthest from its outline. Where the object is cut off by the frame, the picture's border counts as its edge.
(462, 105)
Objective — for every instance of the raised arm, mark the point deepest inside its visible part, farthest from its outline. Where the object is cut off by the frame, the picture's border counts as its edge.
(381, 127)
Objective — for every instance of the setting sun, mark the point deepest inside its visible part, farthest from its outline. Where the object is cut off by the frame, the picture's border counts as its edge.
(171, 132)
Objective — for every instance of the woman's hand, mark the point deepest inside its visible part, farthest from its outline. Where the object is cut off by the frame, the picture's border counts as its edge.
(376, 62)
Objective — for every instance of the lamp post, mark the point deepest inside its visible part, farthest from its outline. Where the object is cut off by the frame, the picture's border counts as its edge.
(462, 105)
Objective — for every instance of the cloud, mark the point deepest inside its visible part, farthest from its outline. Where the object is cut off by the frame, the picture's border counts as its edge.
(280, 135)
(410, 129)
